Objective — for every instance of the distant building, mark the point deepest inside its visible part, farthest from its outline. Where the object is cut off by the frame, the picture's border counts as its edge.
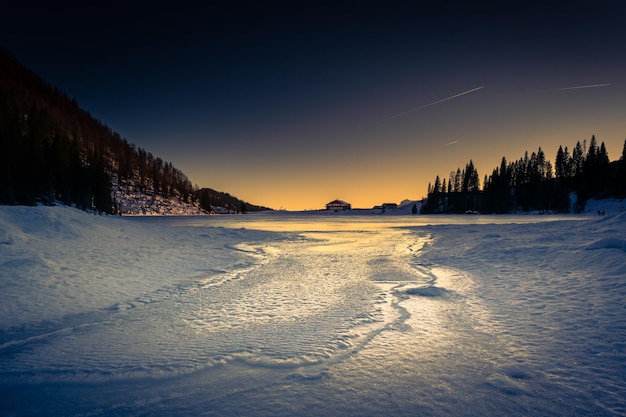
(386, 206)
(337, 205)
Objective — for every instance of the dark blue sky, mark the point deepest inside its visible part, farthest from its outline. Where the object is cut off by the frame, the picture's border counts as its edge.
(293, 105)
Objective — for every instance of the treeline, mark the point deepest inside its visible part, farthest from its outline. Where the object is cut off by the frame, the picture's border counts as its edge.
(40, 164)
(210, 198)
(51, 150)
(140, 169)
(532, 184)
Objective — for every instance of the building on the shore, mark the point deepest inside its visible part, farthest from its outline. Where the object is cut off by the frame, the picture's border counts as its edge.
(337, 205)
(386, 206)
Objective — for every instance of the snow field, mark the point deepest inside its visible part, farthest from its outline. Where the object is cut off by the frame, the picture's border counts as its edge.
(311, 315)
(555, 296)
(57, 261)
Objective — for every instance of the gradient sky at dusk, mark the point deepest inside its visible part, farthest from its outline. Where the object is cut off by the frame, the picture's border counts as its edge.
(295, 105)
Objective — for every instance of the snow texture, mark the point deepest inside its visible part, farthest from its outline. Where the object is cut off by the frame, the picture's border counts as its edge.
(306, 314)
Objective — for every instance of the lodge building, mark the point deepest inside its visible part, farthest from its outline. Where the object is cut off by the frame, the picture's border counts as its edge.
(337, 205)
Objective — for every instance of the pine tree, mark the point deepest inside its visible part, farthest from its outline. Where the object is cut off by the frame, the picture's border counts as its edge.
(564, 164)
(560, 163)
(437, 186)
(596, 168)
(578, 159)
(458, 180)
(471, 180)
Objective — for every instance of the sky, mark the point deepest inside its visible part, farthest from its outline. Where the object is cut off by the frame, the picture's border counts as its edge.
(292, 105)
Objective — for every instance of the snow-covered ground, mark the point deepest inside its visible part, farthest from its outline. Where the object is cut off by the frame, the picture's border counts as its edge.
(302, 314)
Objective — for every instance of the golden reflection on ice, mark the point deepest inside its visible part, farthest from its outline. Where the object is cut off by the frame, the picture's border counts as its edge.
(345, 292)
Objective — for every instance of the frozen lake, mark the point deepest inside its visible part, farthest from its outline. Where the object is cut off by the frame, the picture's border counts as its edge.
(313, 315)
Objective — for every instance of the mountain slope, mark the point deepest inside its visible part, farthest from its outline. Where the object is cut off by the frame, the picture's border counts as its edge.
(217, 201)
(52, 151)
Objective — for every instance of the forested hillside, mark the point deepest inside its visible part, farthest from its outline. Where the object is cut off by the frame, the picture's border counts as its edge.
(210, 200)
(52, 151)
(532, 184)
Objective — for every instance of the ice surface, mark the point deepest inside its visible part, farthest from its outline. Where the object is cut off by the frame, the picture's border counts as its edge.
(289, 315)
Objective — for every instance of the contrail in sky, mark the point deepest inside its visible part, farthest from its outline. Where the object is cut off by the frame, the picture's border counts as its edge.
(580, 87)
(433, 103)
(454, 142)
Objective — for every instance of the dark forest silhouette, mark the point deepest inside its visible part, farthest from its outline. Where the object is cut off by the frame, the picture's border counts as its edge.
(52, 151)
(531, 183)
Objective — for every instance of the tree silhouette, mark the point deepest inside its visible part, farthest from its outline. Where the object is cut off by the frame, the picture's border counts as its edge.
(530, 183)
(53, 151)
